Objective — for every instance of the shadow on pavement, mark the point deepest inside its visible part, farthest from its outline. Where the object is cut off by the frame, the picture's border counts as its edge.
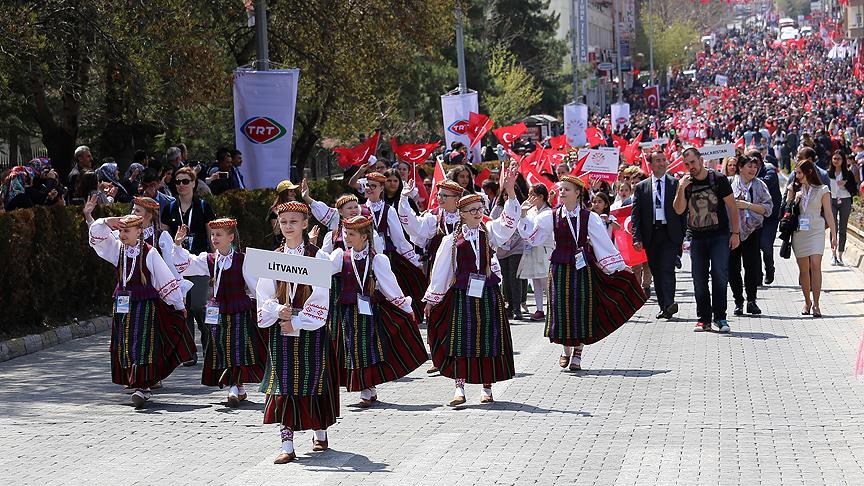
(334, 461)
(627, 373)
(516, 407)
(402, 407)
(759, 336)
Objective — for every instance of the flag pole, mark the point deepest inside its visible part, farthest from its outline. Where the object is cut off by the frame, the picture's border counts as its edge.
(460, 50)
(263, 62)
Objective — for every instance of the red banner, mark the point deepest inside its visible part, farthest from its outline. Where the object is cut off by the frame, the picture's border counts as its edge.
(509, 134)
(478, 126)
(359, 154)
(416, 153)
(624, 237)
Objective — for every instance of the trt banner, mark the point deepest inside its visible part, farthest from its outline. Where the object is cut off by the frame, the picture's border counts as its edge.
(575, 124)
(620, 115)
(264, 105)
(456, 110)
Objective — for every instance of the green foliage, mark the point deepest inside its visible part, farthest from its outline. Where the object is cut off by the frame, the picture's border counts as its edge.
(513, 90)
(675, 44)
(51, 275)
(793, 8)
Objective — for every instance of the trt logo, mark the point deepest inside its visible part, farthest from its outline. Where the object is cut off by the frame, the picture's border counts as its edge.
(261, 129)
(459, 127)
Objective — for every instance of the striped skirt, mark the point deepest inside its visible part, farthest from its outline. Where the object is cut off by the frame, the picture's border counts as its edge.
(379, 348)
(234, 352)
(301, 380)
(148, 343)
(586, 305)
(472, 337)
(411, 280)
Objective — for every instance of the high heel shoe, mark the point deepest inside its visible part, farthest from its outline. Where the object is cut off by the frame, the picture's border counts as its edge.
(806, 311)
(816, 311)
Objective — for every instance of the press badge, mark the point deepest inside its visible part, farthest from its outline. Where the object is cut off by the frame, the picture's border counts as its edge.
(121, 306)
(476, 281)
(803, 224)
(364, 305)
(580, 260)
(212, 316)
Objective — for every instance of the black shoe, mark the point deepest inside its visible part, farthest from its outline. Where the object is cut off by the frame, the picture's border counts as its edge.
(769, 277)
(753, 309)
(739, 310)
(517, 316)
(678, 262)
(662, 315)
(671, 310)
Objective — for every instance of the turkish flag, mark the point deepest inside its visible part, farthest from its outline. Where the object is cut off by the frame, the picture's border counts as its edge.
(359, 154)
(509, 134)
(619, 142)
(482, 176)
(559, 142)
(413, 153)
(577, 169)
(677, 166)
(437, 177)
(652, 97)
(478, 126)
(631, 149)
(624, 237)
(595, 137)
(739, 143)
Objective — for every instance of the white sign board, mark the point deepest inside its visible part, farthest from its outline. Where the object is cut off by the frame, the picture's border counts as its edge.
(713, 152)
(288, 268)
(620, 115)
(603, 164)
(721, 80)
(455, 110)
(575, 124)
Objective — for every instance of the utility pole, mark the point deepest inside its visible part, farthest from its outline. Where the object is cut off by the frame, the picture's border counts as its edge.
(460, 50)
(575, 50)
(615, 13)
(651, 42)
(263, 62)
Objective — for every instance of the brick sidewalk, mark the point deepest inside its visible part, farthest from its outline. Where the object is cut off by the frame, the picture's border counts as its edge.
(772, 403)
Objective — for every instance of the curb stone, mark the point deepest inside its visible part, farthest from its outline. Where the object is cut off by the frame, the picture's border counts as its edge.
(16, 347)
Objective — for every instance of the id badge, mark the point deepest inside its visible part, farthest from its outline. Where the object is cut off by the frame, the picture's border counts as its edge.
(803, 224)
(187, 242)
(212, 316)
(475, 285)
(659, 215)
(364, 305)
(580, 260)
(121, 306)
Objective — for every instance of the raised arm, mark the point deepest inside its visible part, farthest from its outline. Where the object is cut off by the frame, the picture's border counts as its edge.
(188, 264)
(103, 240)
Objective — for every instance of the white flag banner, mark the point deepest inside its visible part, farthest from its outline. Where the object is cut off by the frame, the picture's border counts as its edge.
(620, 115)
(264, 105)
(575, 124)
(455, 109)
(713, 152)
(721, 80)
(287, 268)
(603, 164)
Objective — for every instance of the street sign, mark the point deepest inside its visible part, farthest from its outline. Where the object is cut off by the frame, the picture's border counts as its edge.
(605, 66)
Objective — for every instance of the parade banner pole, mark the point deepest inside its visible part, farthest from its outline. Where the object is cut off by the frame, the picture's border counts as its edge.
(263, 62)
(460, 50)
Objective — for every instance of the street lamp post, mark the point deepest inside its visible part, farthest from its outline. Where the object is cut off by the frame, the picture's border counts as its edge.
(651, 42)
(460, 50)
(263, 62)
(617, 26)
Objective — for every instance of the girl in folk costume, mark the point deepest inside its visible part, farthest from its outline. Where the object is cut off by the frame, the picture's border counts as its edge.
(148, 338)
(302, 378)
(398, 249)
(348, 207)
(471, 342)
(234, 352)
(378, 337)
(534, 265)
(429, 228)
(591, 291)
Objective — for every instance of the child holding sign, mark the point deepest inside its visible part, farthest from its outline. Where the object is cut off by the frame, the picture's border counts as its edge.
(378, 336)
(148, 338)
(234, 351)
(302, 378)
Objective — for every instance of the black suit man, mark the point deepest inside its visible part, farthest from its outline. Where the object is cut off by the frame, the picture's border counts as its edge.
(659, 230)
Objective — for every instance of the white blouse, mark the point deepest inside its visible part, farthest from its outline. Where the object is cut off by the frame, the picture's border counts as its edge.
(385, 278)
(424, 227)
(108, 246)
(549, 242)
(539, 228)
(327, 245)
(190, 265)
(314, 312)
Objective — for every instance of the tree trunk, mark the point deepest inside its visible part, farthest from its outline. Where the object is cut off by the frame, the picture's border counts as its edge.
(61, 149)
(13, 147)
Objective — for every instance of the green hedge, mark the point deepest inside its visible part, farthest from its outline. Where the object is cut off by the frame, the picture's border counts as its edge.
(50, 275)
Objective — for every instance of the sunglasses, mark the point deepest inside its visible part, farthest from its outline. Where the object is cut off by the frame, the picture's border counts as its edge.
(183, 182)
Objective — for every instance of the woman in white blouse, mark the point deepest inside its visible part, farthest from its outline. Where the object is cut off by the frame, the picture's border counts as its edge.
(148, 338)
(590, 294)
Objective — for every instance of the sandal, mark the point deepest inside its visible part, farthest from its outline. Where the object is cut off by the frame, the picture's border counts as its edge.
(816, 311)
(563, 361)
(806, 311)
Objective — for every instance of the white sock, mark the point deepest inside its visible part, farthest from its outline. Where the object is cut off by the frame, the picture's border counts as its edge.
(288, 446)
(233, 391)
(366, 394)
(374, 391)
(567, 351)
(460, 391)
(241, 390)
(321, 435)
(487, 392)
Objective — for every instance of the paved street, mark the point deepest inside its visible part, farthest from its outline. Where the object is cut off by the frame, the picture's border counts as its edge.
(772, 403)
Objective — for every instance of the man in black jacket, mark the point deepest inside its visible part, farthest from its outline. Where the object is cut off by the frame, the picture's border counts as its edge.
(658, 229)
(768, 175)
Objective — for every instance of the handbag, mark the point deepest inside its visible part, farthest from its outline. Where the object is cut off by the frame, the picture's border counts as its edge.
(789, 222)
(786, 249)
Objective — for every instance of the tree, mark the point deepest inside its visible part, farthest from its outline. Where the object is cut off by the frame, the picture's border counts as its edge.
(513, 91)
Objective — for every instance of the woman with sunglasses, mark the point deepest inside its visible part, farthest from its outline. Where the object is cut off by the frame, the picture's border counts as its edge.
(464, 305)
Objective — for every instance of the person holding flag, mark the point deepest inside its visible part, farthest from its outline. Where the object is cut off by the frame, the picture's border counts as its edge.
(659, 230)
(591, 291)
(472, 341)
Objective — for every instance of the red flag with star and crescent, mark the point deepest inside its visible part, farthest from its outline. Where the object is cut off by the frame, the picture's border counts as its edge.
(478, 126)
(509, 134)
(624, 237)
(595, 137)
(359, 154)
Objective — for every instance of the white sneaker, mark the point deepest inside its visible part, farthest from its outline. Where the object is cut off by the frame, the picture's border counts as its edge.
(233, 398)
(140, 397)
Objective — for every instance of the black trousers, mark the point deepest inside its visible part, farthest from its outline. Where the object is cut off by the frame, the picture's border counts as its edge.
(511, 286)
(749, 254)
(661, 260)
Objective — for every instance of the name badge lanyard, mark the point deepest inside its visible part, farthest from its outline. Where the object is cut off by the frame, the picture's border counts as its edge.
(220, 266)
(188, 223)
(127, 276)
(291, 288)
(805, 200)
(475, 246)
(361, 281)
(570, 224)
(746, 191)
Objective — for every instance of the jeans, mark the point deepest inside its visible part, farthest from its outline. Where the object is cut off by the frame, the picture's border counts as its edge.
(196, 300)
(769, 234)
(748, 254)
(511, 285)
(842, 210)
(710, 255)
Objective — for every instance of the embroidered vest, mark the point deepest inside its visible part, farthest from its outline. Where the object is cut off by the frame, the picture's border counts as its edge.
(350, 285)
(137, 289)
(565, 248)
(466, 261)
(231, 296)
(384, 229)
